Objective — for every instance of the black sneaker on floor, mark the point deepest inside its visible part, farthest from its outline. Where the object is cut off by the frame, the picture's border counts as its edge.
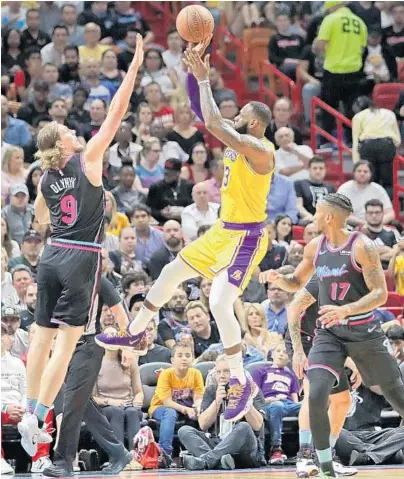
(56, 471)
(193, 463)
(116, 466)
(359, 459)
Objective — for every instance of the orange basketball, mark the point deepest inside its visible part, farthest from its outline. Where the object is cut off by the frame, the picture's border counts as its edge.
(195, 23)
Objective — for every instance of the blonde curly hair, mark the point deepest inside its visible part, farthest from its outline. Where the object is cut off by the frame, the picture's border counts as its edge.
(48, 153)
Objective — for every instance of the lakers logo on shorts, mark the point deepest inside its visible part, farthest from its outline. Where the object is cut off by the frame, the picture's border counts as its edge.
(237, 275)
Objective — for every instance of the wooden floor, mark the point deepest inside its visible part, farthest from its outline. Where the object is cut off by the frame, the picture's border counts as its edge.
(264, 473)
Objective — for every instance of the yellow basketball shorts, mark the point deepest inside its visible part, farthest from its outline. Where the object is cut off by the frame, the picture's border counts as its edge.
(236, 247)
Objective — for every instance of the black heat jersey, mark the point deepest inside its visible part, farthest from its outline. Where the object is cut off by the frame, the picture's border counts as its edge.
(340, 278)
(76, 206)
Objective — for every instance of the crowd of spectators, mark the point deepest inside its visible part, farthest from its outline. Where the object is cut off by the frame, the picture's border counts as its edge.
(63, 62)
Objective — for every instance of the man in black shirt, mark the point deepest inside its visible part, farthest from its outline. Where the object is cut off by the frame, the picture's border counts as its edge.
(27, 315)
(394, 35)
(98, 113)
(99, 15)
(284, 47)
(29, 112)
(58, 112)
(282, 112)
(32, 36)
(384, 238)
(174, 321)
(220, 443)
(126, 56)
(276, 255)
(78, 113)
(204, 332)
(31, 247)
(126, 17)
(168, 197)
(309, 192)
(69, 71)
(155, 352)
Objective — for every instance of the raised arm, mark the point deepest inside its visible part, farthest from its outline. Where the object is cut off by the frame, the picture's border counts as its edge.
(119, 105)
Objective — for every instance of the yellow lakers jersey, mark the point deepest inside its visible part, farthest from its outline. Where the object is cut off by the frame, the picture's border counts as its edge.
(244, 192)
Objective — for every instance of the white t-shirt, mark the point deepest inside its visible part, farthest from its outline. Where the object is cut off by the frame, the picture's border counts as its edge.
(286, 159)
(359, 196)
(192, 219)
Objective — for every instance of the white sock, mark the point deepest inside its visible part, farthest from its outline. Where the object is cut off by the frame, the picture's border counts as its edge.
(236, 367)
(143, 318)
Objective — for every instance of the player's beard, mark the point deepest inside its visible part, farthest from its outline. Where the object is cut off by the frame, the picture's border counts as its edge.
(243, 129)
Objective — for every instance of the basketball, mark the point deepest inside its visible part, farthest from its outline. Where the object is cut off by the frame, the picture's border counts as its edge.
(195, 23)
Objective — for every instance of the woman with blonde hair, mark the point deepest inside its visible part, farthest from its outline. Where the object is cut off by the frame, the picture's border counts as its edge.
(13, 171)
(118, 220)
(257, 334)
(184, 133)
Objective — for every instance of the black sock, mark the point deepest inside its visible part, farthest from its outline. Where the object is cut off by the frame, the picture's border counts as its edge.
(40, 423)
(328, 467)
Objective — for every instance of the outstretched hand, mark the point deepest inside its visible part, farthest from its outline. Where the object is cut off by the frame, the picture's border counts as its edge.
(193, 60)
(137, 61)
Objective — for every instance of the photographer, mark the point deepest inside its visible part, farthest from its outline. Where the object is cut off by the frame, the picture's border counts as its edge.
(223, 444)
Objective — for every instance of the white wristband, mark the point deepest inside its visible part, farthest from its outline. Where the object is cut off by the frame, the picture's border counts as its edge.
(203, 81)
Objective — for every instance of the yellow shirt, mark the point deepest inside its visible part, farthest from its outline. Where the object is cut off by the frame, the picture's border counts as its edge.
(180, 390)
(399, 270)
(346, 35)
(121, 221)
(244, 192)
(371, 124)
(88, 54)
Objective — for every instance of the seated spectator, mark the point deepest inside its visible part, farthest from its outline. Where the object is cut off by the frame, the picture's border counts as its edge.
(27, 315)
(197, 167)
(220, 93)
(174, 320)
(98, 91)
(375, 136)
(173, 239)
(118, 220)
(204, 331)
(30, 111)
(362, 441)
(49, 14)
(310, 232)
(16, 132)
(12, 248)
(143, 122)
(155, 352)
(393, 36)
(127, 17)
(173, 55)
(18, 213)
(284, 47)
(125, 195)
(58, 112)
(31, 72)
(184, 133)
(168, 197)
(21, 277)
(54, 52)
(13, 16)
(205, 286)
(282, 112)
(19, 338)
(162, 113)
(312, 189)
(31, 248)
(8, 292)
(99, 14)
(396, 265)
(133, 282)
(56, 90)
(384, 238)
(69, 20)
(281, 199)
(216, 180)
(92, 50)
(42, 229)
(280, 388)
(276, 255)
(360, 190)
(368, 12)
(150, 171)
(33, 36)
(110, 174)
(228, 109)
(118, 391)
(275, 309)
(201, 212)
(179, 391)
(295, 255)
(13, 172)
(78, 113)
(257, 334)
(148, 240)
(98, 113)
(124, 259)
(156, 72)
(125, 57)
(283, 230)
(110, 241)
(69, 72)
(223, 444)
(111, 76)
(107, 269)
(291, 160)
(379, 63)
(12, 57)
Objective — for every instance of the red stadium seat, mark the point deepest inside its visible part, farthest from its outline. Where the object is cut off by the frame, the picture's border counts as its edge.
(394, 300)
(385, 95)
(297, 232)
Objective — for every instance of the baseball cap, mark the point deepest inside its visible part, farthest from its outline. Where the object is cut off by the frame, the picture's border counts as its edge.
(173, 164)
(375, 31)
(136, 298)
(328, 5)
(9, 312)
(41, 85)
(32, 235)
(19, 188)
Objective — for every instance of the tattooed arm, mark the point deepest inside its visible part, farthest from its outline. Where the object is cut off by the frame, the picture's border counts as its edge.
(301, 302)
